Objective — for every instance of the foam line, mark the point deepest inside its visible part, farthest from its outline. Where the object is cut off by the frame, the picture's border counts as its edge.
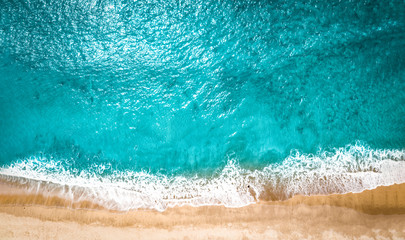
(350, 169)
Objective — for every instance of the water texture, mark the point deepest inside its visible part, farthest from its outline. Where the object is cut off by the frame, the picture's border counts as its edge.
(189, 89)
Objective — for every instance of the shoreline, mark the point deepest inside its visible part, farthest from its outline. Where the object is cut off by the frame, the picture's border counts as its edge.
(386, 200)
(371, 213)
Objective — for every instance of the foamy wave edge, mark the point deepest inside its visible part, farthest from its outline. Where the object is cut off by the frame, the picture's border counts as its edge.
(353, 168)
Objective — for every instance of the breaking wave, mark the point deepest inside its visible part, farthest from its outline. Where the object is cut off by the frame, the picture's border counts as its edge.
(353, 168)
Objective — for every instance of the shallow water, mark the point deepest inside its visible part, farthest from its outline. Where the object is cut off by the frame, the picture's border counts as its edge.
(103, 89)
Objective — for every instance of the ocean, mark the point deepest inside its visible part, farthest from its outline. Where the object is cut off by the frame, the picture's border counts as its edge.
(150, 104)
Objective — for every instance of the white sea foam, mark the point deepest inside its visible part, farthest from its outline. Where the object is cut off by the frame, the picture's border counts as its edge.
(350, 169)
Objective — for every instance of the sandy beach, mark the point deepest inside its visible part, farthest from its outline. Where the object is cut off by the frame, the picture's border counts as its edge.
(372, 214)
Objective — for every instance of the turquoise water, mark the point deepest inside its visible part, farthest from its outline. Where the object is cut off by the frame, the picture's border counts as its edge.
(190, 93)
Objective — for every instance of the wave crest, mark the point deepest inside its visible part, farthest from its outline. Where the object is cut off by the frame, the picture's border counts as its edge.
(353, 168)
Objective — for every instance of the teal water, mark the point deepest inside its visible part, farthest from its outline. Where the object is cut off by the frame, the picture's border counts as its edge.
(156, 91)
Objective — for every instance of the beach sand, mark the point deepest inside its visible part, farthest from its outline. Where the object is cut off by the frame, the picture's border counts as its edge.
(372, 214)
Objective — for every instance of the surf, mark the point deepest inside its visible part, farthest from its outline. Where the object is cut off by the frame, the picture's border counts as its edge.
(353, 168)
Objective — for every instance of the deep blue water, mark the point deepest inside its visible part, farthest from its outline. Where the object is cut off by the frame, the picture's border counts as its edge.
(180, 87)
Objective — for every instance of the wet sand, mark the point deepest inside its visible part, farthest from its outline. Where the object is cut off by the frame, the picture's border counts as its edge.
(377, 213)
